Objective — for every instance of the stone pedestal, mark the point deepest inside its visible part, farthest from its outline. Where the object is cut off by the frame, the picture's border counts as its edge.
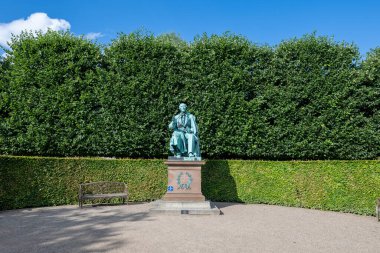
(184, 192)
(184, 181)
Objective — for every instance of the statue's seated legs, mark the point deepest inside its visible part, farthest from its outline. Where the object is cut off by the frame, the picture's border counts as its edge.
(191, 144)
(182, 144)
(178, 144)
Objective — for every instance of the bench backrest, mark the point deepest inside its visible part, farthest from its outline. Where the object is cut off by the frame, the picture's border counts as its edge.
(102, 187)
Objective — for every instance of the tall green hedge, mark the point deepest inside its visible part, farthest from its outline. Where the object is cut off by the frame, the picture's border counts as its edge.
(306, 98)
(51, 95)
(348, 186)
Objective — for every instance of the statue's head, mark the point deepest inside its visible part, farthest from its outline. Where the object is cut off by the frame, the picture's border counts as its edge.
(182, 107)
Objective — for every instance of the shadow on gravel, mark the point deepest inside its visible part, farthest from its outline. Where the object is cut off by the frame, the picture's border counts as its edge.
(91, 229)
(226, 204)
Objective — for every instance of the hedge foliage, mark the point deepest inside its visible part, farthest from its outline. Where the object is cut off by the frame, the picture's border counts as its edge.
(348, 186)
(38, 181)
(306, 98)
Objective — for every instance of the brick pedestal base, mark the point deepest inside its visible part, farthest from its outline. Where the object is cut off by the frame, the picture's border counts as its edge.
(184, 192)
(184, 181)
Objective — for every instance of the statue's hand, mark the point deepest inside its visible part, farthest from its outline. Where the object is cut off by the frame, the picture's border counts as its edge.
(173, 124)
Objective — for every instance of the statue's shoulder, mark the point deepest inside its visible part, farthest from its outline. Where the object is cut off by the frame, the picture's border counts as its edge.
(191, 116)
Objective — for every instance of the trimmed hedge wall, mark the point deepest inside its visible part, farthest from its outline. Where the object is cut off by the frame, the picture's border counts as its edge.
(307, 98)
(34, 181)
(347, 186)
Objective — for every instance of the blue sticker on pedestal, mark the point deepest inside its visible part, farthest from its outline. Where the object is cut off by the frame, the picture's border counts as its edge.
(170, 188)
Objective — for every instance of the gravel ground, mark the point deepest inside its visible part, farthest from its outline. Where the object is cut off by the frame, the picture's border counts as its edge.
(241, 228)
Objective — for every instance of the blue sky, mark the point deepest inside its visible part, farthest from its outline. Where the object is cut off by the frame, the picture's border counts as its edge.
(263, 22)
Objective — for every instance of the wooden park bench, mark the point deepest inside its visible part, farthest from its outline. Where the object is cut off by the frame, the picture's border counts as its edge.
(102, 190)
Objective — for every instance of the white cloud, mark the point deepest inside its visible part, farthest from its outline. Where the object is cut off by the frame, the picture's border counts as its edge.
(92, 36)
(35, 22)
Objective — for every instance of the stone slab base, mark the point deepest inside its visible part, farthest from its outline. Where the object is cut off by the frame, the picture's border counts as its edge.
(184, 197)
(184, 207)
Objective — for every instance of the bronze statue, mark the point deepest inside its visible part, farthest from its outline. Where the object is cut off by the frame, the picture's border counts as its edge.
(184, 141)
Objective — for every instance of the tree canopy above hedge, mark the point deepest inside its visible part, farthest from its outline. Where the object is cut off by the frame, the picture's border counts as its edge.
(306, 98)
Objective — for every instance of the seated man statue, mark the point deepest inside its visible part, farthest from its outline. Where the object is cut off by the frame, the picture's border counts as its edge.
(184, 141)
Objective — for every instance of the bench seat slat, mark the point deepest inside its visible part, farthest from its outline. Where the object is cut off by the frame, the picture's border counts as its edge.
(94, 188)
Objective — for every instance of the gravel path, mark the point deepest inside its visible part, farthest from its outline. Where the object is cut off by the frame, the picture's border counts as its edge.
(242, 228)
